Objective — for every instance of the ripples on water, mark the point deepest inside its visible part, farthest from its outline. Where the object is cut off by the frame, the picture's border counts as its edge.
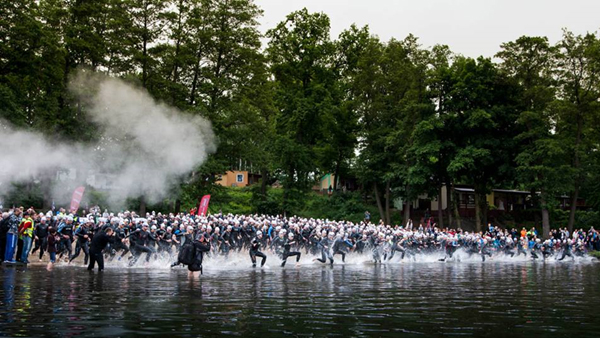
(495, 298)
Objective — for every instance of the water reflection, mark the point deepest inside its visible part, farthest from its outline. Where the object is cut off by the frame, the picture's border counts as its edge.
(520, 299)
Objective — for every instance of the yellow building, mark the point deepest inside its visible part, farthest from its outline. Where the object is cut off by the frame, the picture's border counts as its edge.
(238, 178)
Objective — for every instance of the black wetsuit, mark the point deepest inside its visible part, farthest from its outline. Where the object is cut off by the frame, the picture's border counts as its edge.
(201, 248)
(120, 233)
(99, 242)
(376, 244)
(277, 246)
(165, 241)
(82, 244)
(226, 243)
(41, 232)
(546, 250)
(566, 251)
(535, 249)
(66, 243)
(483, 249)
(314, 243)
(508, 250)
(396, 247)
(362, 244)
(255, 245)
(339, 247)
(521, 249)
(287, 253)
(326, 244)
(139, 240)
(451, 248)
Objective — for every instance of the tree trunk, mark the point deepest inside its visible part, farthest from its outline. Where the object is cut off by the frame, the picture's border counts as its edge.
(406, 210)
(46, 187)
(336, 174)
(455, 207)
(545, 217)
(574, 198)
(378, 199)
(484, 210)
(142, 206)
(263, 184)
(576, 166)
(388, 197)
(449, 203)
(534, 203)
(480, 210)
(477, 213)
(196, 72)
(177, 205)
(440, 212)
(286, 190)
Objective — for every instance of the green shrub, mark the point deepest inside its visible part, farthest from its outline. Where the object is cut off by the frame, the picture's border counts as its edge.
(583, 219)
(594, 254)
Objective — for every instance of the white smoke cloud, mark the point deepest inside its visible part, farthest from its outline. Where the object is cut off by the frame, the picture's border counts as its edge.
(144, 145)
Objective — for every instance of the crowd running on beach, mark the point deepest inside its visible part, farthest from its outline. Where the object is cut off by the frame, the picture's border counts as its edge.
(188, 239)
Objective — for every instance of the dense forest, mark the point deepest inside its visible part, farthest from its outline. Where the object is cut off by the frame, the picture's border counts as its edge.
(297, 103)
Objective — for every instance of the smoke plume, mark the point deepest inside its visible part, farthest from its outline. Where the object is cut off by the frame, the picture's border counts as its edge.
(143, 147)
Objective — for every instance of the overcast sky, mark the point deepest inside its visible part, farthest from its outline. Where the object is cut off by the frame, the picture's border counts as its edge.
(469, 27)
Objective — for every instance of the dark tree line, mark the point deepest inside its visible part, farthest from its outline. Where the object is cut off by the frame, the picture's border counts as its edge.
(402, 119)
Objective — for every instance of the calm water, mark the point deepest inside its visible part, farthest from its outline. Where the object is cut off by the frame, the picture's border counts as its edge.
(520, 299)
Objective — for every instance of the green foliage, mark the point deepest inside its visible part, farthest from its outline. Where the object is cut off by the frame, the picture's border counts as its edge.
(594, 254)
(340, 206)
(268, 204)
(583, 219)
(25, 195)
(95, 197)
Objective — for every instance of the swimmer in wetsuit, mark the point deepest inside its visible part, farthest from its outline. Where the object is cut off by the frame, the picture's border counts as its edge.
(286, 250)
(326, 247)
(566, 250)
(255, 245)
(339, 246)
(83, 235)
(139, 240)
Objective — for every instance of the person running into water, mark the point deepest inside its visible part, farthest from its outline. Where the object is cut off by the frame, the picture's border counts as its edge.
(326, 246)
(140, 243)
(52, 241)
(287, 250)
(82, 234)
(255, 245)
(41, 237)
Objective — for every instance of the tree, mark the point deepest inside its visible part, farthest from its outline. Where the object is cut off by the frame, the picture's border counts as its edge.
(300, 53)
(145, 27)
(529, 61)
(434, 139)
(482, 120)
(393, 97)
(343, 127)
(409, 95)
(578, 90)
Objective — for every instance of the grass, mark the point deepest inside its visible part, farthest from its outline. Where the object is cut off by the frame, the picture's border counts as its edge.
(594, 254)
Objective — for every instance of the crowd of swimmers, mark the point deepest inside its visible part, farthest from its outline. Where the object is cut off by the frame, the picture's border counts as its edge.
(188, 239)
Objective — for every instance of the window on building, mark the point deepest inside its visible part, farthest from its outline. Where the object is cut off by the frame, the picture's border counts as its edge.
(240, 178)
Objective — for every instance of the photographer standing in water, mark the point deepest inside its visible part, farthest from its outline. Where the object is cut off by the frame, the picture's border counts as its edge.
(99, 243)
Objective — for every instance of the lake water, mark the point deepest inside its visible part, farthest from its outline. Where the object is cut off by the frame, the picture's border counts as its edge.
(421, 299)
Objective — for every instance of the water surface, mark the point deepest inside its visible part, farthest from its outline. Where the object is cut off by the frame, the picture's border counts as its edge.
(511, 299)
